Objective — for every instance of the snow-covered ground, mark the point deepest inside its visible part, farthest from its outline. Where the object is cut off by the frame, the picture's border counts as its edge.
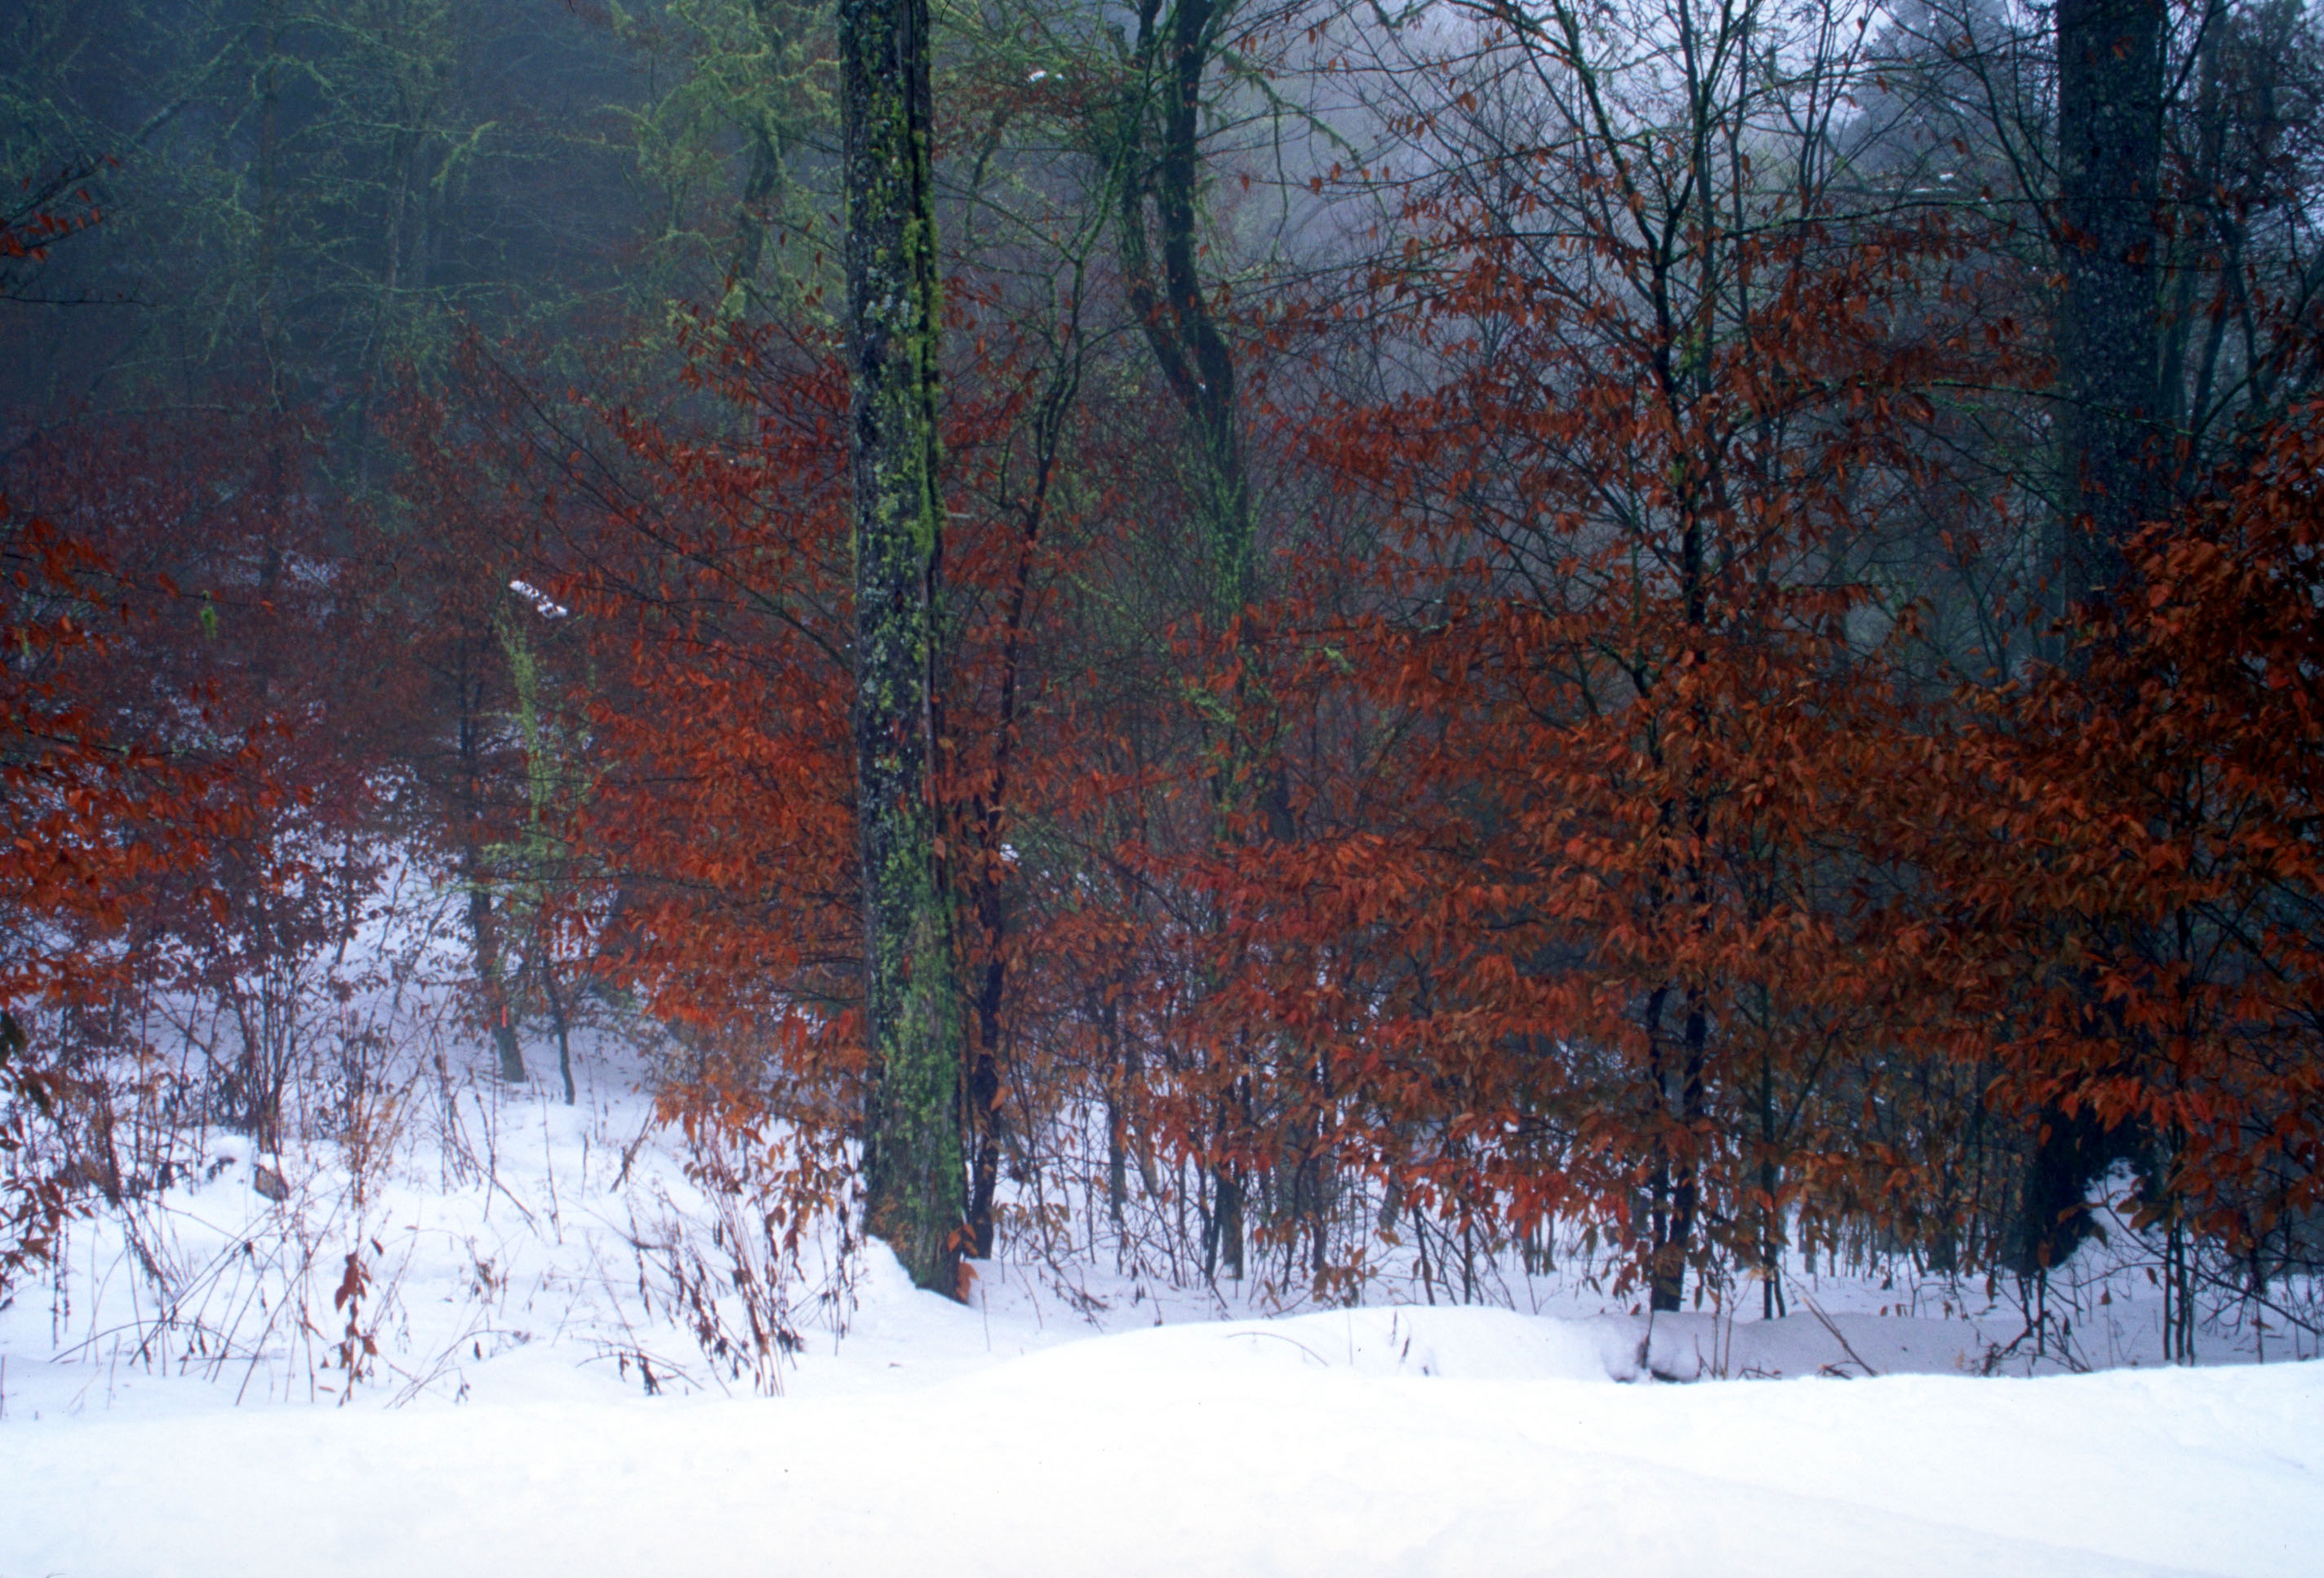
(540, 1400)
(1454, 1441)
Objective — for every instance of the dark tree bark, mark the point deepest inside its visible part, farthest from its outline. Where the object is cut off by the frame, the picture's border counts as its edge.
(557, 1018)
(915, 1191)
(2109, 334)
(1161, 165)
(2113, 453)
(992, 918)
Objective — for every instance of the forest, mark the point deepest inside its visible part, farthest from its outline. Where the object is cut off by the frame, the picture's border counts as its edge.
(1295, 646)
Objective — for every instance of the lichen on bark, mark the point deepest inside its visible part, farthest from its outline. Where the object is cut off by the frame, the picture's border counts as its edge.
(914, 1023)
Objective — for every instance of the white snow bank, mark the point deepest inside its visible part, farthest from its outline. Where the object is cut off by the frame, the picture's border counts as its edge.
(1456, 1442)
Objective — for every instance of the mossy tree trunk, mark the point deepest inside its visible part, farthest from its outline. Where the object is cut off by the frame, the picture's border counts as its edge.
(914, 1026)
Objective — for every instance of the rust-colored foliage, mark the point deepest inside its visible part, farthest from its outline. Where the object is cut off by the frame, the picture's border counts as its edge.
(93, 808)
(2128, 854)
(715, 593)
(1593, 913)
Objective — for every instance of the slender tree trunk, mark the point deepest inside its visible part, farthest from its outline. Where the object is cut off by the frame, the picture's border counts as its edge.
(1159, 174)
(1173, 309)
(484, 924)
(990, 899)
(913, 1027)
(484, 931)
(1771, 1218)
(556, 1017)
(270, 99)
(1677, 1179)
(763, 186)
(984, 1108)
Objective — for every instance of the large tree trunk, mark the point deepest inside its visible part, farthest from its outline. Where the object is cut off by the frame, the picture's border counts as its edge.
(2113, 451)
(913, 1021)
(2112, 455)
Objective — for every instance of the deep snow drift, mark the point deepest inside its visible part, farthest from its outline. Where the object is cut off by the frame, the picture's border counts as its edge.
(521, 1291)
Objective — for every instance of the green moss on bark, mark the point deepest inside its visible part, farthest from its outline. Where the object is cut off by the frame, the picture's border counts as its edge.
(916, 1192)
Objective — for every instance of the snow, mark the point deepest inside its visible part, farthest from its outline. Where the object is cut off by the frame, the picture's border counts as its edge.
(543, 603)
(1312, 1446)
(177, 1406)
